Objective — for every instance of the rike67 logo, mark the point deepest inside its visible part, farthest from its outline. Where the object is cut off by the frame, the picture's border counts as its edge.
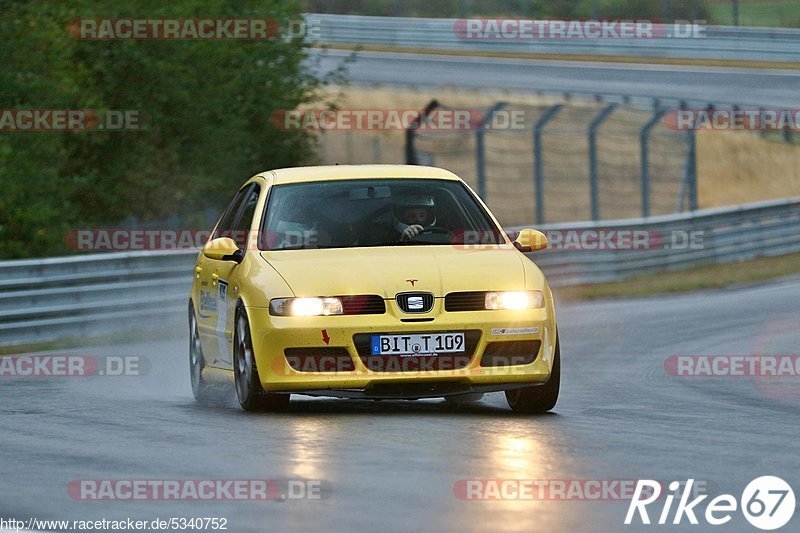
(767, 502)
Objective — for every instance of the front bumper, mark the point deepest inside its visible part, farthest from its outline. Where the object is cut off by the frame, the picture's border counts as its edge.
(272, 335)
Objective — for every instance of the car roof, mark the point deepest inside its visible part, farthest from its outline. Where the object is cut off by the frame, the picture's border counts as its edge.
(340, 172)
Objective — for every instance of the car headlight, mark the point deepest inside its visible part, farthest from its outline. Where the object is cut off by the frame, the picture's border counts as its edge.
(306, 307)
(515, 300)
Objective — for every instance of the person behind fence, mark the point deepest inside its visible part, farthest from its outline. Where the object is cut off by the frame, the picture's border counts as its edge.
(413, 214)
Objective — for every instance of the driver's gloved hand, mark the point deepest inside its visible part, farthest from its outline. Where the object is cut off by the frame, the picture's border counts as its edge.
(411, 232)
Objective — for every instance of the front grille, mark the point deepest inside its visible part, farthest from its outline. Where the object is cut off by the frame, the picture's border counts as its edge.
(416, 363)
(422, 363)
(465, 301)
(415, 302)
(510, 353)
(367, 304)
(319, 359)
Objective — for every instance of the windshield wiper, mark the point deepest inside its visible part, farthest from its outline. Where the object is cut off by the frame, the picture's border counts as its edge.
(370, 245)
(304, 247)
(407, 243)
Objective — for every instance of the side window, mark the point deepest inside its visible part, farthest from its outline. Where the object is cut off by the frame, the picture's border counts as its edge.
(241, 229)
(225, 224)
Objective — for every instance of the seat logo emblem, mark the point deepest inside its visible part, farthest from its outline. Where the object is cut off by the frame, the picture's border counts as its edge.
(415, 303)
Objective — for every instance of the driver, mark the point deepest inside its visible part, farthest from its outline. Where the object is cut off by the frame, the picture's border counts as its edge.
(413, 215)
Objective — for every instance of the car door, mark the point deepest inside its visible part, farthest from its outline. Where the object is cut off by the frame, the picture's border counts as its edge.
(224, 275)
(208, 315)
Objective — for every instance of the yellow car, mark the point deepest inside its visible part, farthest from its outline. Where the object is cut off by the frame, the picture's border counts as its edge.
(370, 281)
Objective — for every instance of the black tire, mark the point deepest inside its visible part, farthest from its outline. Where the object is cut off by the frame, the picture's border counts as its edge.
(202, 390)
(252, 396)
(541, 398)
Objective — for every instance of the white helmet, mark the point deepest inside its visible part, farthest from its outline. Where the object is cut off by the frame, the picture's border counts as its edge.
(413, 202)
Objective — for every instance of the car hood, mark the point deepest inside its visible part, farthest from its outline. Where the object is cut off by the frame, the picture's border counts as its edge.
(388, 271)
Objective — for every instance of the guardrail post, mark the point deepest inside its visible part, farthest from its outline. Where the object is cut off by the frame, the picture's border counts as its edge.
(644, 144)
(538, 163)
(593, 176)
(411, 154)
(480, 148)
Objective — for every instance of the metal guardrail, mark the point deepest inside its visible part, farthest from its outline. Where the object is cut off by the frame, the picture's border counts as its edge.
(93, 295)
(578, 254)
(43, 300)
(716, 42)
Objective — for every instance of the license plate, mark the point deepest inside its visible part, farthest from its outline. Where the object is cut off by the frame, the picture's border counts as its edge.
(418, 344)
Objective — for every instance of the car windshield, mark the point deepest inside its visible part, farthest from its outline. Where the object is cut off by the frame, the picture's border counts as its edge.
(375, 212)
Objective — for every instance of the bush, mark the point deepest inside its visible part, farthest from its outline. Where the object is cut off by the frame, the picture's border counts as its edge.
(565, 9)
(207, 106)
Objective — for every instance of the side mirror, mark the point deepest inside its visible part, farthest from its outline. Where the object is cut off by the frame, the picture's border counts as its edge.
(223, 249)
(530, 240)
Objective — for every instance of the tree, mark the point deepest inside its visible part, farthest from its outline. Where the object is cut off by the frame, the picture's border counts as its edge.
(206, 107)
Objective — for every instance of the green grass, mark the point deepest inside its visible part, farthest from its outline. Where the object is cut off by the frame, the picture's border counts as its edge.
(768, 13)
(703, 277)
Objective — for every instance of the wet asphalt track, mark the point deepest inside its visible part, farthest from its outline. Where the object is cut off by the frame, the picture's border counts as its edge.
(392, 465)
(751, 87)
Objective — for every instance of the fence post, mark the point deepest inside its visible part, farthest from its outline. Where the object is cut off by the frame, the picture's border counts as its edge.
(644, 144)
(692, 169)
(593, 177)
(480, 148)
(538, 166)
(411, 154)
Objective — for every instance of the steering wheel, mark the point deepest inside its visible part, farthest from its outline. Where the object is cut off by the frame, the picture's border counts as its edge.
(433, 229)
